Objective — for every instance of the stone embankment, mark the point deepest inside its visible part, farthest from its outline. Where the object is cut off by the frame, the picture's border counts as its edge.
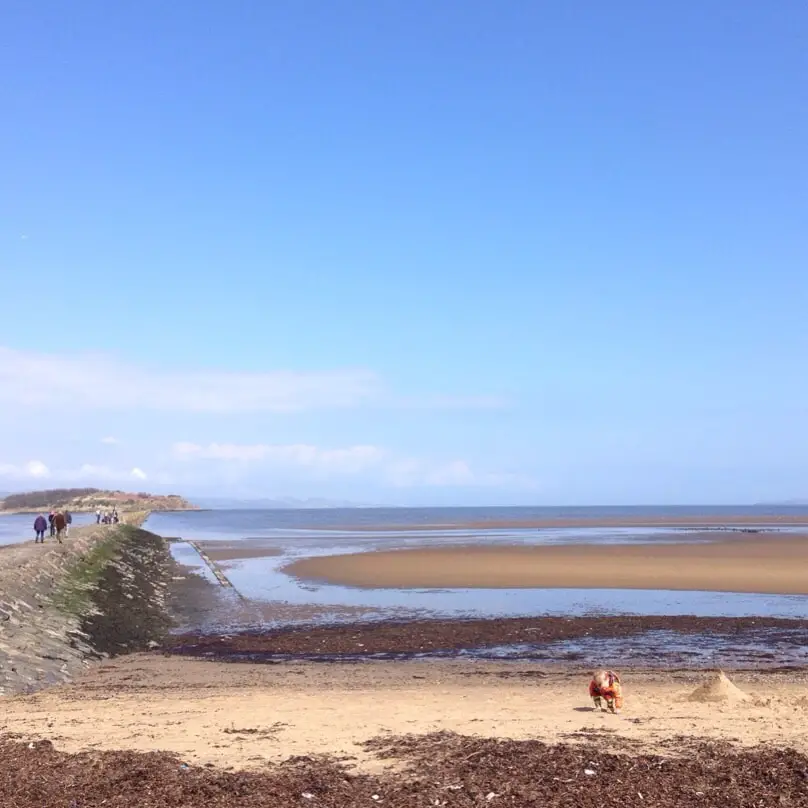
(102, 592)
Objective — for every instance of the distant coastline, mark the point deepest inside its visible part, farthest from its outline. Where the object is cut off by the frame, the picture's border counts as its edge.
(279, 503)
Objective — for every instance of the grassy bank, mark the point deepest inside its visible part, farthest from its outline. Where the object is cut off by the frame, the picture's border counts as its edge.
(117, 590)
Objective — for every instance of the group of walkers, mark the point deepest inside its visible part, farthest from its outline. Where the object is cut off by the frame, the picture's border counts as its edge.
(107, 518)
(58, 523)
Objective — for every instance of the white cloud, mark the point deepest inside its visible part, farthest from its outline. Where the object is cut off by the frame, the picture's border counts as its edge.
(37, 468)
(89, 473)
(99, 382)
(400, 472)
(33, 469)
(89, 470)
(109, 441)
(101, 474)
(457, 472)
(241, 461)
(413, 473)
(350, 460)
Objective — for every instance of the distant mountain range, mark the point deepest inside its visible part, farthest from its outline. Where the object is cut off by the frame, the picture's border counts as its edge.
(278, 503)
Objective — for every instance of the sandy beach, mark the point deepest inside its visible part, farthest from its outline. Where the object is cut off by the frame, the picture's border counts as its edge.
(246, 715)
(767, 564)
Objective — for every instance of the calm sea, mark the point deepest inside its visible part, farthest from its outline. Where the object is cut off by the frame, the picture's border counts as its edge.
(248, 521)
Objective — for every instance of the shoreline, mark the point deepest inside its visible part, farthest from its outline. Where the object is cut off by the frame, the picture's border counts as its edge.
(747, 565)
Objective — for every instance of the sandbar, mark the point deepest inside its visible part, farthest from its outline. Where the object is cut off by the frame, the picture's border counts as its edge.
(756, 564)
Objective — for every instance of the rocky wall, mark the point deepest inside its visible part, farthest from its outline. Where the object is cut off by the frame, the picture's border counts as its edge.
(102, 592)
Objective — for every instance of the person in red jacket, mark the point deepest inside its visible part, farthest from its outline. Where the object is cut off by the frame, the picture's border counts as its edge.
(606, 685)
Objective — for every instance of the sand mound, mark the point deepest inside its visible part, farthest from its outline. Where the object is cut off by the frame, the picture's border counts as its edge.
(718, 688)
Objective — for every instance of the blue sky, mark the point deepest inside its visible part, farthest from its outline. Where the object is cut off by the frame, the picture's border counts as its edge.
(405, 251)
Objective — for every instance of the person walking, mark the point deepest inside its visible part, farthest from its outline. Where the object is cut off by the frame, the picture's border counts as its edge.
(51, 516)
(68, 522)
(98, 516)
(40, 526)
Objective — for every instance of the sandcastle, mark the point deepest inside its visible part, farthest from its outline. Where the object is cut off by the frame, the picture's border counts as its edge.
(718, 688)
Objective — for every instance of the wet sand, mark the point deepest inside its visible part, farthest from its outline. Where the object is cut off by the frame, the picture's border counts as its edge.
(412, 637)
(572, 644)
(767, 564)
(245, 715)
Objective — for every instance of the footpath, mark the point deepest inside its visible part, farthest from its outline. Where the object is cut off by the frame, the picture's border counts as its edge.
(101, 592)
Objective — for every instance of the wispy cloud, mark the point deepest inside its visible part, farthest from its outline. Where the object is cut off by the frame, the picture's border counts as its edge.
(110, 441)
(100, 382)
(89, 472)
(350, 460)
(386, 467)
(446, 402)
(414, 473)
(205, 464)
(33, 469)
(36, 470)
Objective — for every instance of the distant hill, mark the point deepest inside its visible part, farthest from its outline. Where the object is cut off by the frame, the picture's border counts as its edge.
(279, 503)
(91, 499)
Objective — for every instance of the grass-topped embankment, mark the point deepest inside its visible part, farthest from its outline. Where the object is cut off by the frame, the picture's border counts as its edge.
(101, 592)
(76, 593)
(117, 590)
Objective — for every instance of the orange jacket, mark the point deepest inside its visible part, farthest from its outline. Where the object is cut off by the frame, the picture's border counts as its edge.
(612, 692)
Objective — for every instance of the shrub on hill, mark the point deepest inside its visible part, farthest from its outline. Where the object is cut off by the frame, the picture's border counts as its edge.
(52, 498)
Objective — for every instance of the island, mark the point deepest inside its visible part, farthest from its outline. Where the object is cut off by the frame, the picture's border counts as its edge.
(84, 500)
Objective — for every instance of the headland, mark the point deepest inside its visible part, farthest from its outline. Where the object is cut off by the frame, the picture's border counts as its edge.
(88, 500)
